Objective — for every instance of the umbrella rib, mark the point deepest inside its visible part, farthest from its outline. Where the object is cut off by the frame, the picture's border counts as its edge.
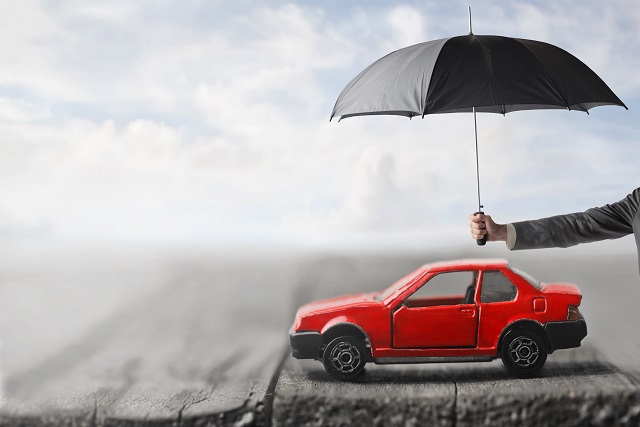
(425, 98)
(489, 73)
(549, 75)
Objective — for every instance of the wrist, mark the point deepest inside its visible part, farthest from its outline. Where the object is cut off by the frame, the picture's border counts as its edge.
(500, 233)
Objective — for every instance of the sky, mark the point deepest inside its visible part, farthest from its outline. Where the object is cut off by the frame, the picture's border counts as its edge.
(208, 122)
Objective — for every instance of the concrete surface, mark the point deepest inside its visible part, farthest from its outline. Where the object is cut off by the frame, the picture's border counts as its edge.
(574, 389)
(202, 349)
(208, 347)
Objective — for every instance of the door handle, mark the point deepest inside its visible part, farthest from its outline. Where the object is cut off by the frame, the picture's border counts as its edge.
(467, 311)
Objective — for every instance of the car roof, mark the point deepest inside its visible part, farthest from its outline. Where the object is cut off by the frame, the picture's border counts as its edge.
(466, 264)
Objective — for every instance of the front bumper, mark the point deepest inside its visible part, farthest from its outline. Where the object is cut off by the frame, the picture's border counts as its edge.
(567, 334)
(305, 345)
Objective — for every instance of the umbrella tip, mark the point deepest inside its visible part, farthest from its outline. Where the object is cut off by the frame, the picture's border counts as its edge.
(470, 30)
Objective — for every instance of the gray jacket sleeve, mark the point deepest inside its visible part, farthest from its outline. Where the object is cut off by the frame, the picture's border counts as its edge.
(607, 222)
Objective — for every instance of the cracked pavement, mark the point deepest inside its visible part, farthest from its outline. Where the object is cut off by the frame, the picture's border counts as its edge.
(211, 349)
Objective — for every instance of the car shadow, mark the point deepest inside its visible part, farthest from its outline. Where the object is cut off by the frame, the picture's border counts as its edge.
(465, 373)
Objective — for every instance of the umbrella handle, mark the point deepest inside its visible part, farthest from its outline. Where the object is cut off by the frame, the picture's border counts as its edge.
(483, 241)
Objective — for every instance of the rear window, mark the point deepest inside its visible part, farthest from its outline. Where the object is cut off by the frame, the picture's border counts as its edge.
(497, 288)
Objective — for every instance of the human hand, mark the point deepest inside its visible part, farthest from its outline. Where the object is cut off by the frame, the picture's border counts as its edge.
(482, 225)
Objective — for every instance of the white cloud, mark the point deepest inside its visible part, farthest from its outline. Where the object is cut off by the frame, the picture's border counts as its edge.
(17, 110)
(210, 122)
(372, 198)
(407, 25)
(28, 32)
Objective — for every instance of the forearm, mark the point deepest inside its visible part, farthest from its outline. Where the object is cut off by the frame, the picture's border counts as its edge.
(568, 230)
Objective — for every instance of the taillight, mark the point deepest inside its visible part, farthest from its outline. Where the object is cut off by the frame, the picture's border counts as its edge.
(573, 313)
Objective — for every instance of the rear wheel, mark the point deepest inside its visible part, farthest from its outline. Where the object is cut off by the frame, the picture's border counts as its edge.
(345, 357)
(523, 352)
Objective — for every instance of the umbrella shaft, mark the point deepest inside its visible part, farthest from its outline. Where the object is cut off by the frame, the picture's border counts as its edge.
(475, 127)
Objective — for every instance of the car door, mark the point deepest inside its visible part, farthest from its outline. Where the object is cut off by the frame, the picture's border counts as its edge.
(499, 305)
(440, 313)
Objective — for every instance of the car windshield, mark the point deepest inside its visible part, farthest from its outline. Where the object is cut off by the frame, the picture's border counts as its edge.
(397, 285)
(535, 283)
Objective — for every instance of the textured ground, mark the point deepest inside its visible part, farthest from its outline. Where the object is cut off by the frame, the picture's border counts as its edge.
(201, 339)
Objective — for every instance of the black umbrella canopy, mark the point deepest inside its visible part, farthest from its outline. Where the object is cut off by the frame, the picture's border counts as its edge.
(489, 73)
(474, 73)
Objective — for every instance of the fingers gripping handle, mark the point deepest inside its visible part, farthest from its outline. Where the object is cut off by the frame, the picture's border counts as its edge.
(483, 241)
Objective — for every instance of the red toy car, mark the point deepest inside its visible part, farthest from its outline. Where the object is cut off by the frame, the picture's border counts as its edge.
(456, 311)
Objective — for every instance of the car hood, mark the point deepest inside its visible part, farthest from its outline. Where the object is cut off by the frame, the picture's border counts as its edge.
(560, 288)
(332, 304)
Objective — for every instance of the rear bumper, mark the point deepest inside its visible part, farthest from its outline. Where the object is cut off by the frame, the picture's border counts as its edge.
(567, 334)
(305, 345)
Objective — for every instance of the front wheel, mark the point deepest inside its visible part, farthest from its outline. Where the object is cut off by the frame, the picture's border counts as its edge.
(523, 352)
(345, 357)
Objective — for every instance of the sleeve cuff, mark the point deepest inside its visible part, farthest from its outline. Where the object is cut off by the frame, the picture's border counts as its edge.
(511, 236)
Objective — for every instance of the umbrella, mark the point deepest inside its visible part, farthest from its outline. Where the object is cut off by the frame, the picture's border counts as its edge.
(473, 73)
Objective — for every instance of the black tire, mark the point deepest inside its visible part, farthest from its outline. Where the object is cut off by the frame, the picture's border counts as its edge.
(344, 358)
(523, 352)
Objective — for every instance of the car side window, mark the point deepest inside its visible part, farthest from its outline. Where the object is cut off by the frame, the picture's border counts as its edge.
(438, 289)
(496, 287)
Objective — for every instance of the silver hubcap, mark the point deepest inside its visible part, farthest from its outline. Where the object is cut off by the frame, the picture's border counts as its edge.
(524, 351)
(345, 357)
